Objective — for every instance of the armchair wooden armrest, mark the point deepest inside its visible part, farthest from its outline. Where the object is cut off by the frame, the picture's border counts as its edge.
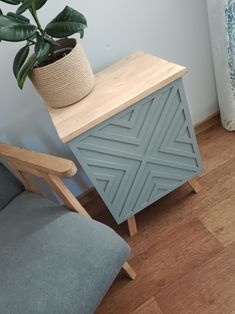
(25, 163)
(37, 161)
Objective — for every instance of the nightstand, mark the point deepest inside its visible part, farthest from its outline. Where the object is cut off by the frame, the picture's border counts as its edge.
(133, 135)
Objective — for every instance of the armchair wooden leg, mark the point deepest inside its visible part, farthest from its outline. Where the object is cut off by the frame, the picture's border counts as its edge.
(132, 226)
(129, 271)
(195, 185)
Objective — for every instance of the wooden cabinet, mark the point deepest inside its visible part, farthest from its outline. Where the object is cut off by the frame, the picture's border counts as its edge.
(137, 142)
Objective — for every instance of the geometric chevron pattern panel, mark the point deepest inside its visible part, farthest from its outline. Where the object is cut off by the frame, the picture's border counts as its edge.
(141, 154)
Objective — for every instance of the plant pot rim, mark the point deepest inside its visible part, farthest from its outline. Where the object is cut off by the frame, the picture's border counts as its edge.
(73, 41)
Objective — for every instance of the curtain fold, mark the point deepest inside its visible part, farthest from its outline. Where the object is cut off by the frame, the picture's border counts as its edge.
(221, 15)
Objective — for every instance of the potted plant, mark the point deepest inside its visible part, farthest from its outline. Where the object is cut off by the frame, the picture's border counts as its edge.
(58, 67)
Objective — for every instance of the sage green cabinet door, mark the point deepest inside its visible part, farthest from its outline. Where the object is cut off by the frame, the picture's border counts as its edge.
(141, 154)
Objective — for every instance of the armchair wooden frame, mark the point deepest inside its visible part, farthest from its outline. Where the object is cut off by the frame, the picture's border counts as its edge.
(25, 164)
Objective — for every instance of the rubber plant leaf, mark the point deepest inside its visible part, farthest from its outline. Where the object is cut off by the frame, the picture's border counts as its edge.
(20, 59)
(42, 48)
(67, 23)
(30, 4)
(26, 4)
(20, 17)
(13, 29)
(37, 4)
(51, 40)
(1, 14)
(14, 2)
(25, 70)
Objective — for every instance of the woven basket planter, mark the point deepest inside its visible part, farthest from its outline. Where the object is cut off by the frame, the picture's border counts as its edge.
(67, 80)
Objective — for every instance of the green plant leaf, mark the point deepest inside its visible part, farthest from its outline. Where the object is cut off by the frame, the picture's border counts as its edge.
(19, 17)
(51, 40)
(67, 23)
(30, 4)
(1, 14)
(38, 4)
(42, 48)
(12, 29)
(25, 70)
(19, 60)
(14, 2)
(26, 4)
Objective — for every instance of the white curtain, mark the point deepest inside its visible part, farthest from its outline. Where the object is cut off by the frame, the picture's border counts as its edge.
(222, 30)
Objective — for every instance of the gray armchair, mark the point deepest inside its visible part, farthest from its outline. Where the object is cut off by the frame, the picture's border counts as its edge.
(52, 260)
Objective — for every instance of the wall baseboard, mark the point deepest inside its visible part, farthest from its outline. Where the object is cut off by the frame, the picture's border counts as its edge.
(200, 127)
(87, 196)
(206, 124)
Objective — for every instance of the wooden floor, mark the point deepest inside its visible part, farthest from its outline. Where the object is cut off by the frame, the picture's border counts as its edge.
(184, 252)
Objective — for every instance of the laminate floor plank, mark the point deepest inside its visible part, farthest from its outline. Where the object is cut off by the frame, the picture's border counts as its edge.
(184, 251)
(216, 147)
(220, 220)
(159, 261)
(209, 289)
(149, 307)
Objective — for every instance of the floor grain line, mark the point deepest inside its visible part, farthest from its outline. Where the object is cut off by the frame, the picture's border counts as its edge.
(184, 252)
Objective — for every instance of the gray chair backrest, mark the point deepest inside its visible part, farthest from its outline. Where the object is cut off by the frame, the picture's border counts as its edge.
(10, 187)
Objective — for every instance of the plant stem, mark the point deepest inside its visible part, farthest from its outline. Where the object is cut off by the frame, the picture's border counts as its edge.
(31, 41)
(34, 14)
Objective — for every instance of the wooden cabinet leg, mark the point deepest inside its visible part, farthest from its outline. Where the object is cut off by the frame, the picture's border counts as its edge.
(195, 185)
(129, 271)
(132, 227)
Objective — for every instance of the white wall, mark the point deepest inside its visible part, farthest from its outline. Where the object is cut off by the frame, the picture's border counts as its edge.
(174, 30)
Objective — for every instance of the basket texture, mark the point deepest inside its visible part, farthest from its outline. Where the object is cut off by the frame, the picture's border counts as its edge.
(67, 80)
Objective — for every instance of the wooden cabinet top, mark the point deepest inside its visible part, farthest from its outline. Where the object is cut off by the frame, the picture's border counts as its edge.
(117, 87)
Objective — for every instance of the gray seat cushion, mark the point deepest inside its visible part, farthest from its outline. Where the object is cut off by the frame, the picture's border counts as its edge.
(10, 187)
(53, 260)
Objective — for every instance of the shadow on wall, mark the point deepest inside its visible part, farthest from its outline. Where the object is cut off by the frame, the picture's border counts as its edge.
(28, 137)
